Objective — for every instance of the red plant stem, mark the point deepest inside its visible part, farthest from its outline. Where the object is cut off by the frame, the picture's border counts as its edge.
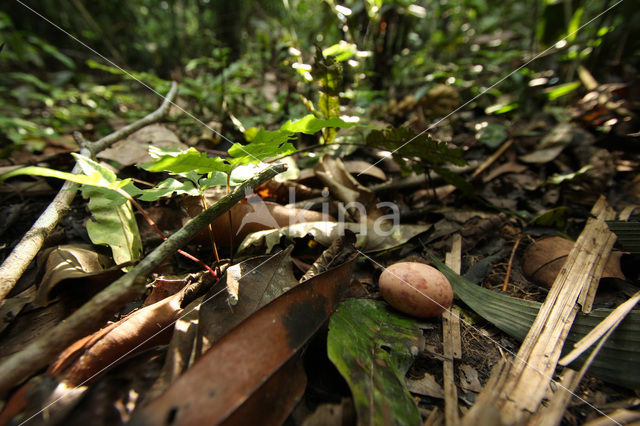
(159, 232)
(210, 227)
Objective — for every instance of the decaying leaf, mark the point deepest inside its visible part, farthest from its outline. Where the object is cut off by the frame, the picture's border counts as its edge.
(337, 253)
(73, 261)
(333, 173)
(141, 329)
(250, 285)
(369, 238)
(551, 145)
(11, 307)
(135, 149)
(543, 260)
(373, 347)
(426, 386)
(469, 379)
(359, 167)
(247, 287)
(239, 367)
(246, 218)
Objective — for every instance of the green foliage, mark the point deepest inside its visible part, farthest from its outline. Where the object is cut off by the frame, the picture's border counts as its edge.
(405, 143)
(373, 347)
(112, 222)
(264, 144)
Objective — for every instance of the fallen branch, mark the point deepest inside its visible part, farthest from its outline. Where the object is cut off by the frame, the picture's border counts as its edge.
(25, 251)
(92, 314)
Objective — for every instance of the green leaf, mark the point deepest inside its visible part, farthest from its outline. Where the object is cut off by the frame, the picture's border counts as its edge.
(186, 161)
(310, 124)
(458, 181)
(556, 92)
(341, 51)
(90, 167)
(93, 179)
(404, 142)
(167, 188)
(213, 179)
(114, 226)
(556, 218)
(617, 362)
(265, 144)
(373, 347)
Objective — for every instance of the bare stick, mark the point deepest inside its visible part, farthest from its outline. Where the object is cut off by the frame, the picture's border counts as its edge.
(24, 252)
(510, 264)
(40, 352)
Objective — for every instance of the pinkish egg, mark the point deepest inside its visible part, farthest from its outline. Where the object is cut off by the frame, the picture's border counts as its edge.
(416, 289)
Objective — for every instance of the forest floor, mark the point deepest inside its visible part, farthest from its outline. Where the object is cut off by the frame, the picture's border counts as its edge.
(528, 191)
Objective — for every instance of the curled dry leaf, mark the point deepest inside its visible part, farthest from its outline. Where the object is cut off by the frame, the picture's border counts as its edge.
(369, 237)
(139, 330)
(250, 285)
(246, 218)
(337, 253)
(356, 167)
(426, 386)
(10, 308)
(333, 173)
(74, 261)
(543, 260)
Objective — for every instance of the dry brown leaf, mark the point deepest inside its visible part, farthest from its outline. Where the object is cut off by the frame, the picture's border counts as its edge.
(135, 149)
(333, 173)
(543, 260)
(223, 383)
(246, 218)
(139, 330)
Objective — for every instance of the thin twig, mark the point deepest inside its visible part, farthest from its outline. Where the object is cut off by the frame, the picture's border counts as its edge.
(513, 252)
(19, 366)
(25, 251)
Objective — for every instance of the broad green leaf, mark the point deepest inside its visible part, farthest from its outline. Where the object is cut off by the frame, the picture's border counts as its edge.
(93, 179)
(167, 188)
(574, 24)
(112, 222)
(186, 161)
(404, 142)
(373, 347)
(114, 226)
(556, 218)
(212, 179)
(617, 362)
(310, 124)
(90, 167)
(265, 144)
